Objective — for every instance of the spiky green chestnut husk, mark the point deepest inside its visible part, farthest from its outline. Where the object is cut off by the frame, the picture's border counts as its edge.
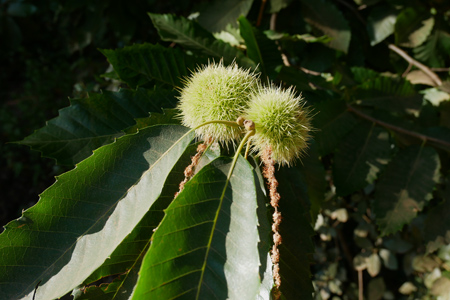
(215, 92)
(282, 123)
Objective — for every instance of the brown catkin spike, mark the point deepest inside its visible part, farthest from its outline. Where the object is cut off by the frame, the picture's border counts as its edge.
(272, 184)
(189, 171)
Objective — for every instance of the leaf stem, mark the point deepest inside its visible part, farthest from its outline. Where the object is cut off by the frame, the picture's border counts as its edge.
(229, 123)
(239, 149)
(247, 149)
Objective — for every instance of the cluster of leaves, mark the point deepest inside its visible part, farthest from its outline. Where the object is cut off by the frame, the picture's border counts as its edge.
(49, 52)
(375, 178)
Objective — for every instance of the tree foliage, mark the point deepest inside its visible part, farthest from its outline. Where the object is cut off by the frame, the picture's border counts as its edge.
(375, 176)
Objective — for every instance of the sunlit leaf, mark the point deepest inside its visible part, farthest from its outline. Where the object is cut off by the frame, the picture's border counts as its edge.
(420, 77)
(389, 259)
(82, 218)
(328, 18)
(404, 187)
(373, 264)
(380, 23)
(192, 36)
(413, 26)
(134, 246)
(389, 93)
(207, 244)
(277, 5)
(360, 157)
(434, 51)
(127, 257)
(219, 14)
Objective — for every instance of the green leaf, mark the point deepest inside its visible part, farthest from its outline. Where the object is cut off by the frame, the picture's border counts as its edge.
(380, 23)
(438, 137)
(385, 92)
(361, 75)
(128, 253)
(376, 288)
(413, 26)
(361, 155)
(277, 5)
(127, 257)
(267, 282)
(121, 288)
(306, 37)
(328, 18)
(437, 224)
(92, 122)
(264, 223)
(141, 64)
(434, 51)
(18, 9)
(190, 35)
(313, 173)
(404, 187)
(260, 49)
(206, 247)
(291, 75)
(82, 218)
(169, 116)
(333, 121)
(296, 233)
(220, 13)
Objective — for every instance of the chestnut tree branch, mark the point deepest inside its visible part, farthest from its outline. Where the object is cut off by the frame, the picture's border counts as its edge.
(398, 129)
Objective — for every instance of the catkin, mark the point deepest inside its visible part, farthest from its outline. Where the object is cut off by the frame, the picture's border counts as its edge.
(189, 171)
(272, 183)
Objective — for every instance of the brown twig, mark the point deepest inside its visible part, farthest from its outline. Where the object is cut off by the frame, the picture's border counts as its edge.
(414, 62)
(440, 69)
(360, 285)
(273, 26)
(398, 129)
(273, 22)
(261, 12)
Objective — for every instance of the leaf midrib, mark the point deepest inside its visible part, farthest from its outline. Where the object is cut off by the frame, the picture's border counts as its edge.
(208, 246)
